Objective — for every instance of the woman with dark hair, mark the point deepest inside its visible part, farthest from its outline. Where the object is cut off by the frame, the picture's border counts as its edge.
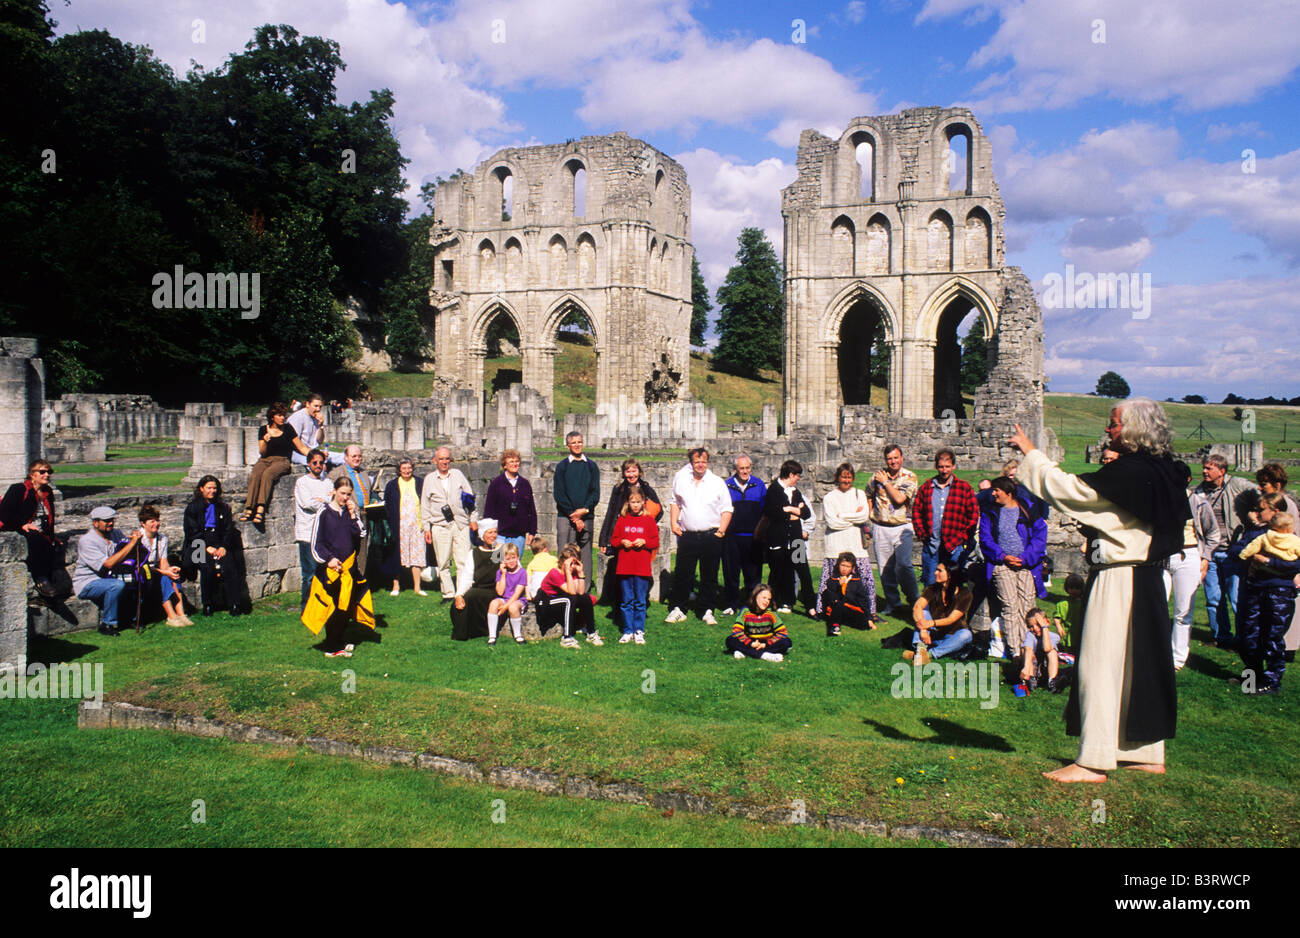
(848, 528)
(939, 617)
(632, 481)
(28, 508)
(844, 599)
(339, 593)
(1123, 703)
(784, 508)
(212, 546)
(276, 442)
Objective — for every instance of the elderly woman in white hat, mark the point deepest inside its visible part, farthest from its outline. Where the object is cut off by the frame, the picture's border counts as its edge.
(469, 612)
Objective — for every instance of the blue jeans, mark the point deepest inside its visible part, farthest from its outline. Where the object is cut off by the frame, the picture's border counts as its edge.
(1220, 584)
(950, 644)
(636, 590)
(307, 564)
(517, 541)
(932, 556)
(104, 593)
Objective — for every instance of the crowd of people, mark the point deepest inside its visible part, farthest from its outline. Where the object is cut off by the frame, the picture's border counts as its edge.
(1150, 537)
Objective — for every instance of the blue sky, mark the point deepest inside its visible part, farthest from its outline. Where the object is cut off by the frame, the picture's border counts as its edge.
(1123, 155)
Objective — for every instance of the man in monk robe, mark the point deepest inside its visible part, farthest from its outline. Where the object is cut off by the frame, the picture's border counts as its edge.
(1123, 704)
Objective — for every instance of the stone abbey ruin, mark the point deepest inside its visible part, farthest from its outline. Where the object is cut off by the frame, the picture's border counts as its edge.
(882, 238)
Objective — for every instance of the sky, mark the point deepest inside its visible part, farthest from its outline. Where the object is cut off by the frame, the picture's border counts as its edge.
(1156, 139)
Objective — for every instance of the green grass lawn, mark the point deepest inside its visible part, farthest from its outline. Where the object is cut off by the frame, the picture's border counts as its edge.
(147, 464)
(822, 726)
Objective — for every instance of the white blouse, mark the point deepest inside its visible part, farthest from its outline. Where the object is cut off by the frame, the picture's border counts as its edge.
(846, 514)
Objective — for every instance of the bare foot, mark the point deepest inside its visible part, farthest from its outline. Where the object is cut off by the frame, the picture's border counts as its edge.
(1075, 773)
(1154, 768)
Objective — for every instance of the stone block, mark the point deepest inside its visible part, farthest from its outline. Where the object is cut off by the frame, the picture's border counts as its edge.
(859, 825)
(625, 793)
(683, 801)
(333, 747)
(94, 718)
(388, 755)
(527, 779)
(431, 763)
(200, 726)
(576, 786)
(132, 717)
(957, 838)
(244, 733)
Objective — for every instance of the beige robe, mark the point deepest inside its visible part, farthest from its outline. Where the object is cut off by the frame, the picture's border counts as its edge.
(1104, 683)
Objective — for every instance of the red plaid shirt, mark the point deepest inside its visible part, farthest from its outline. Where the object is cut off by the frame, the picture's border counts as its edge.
(961, 514)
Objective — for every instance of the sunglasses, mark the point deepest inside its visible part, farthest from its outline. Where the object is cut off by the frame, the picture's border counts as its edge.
(44, 472)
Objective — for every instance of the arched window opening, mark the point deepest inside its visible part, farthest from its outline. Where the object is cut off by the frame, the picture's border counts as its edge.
(960, 358)
(958, 160)
(866, 155)
(578, 192)
(863, 356)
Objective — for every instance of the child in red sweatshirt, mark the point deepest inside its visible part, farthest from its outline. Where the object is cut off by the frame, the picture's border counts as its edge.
(636, 535)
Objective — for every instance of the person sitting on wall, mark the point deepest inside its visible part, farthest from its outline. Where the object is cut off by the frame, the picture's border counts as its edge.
(157, 577)
(276, 442)
(310, 429)
(96, 577)
(28, 508)
(212, 546)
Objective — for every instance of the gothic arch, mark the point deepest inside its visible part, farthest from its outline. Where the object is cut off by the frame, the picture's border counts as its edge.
(927, 323)
(849, 297)
(483, 317)
(556, 312)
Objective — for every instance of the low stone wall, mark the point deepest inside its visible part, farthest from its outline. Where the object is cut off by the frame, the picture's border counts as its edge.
(864, 430)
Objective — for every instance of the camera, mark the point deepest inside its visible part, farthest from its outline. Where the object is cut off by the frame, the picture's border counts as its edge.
(447, 514)
(514, 507)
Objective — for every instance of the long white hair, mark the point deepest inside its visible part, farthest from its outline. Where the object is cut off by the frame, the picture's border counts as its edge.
(1146, 427)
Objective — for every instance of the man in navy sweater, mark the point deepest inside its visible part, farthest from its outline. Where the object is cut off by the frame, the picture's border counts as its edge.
(739, 556)
(577, 490)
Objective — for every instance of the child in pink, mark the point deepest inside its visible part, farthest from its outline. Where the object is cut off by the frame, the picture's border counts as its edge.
(636, 535)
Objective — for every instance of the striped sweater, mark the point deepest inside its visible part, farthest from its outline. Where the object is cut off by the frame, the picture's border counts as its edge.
(754, 626)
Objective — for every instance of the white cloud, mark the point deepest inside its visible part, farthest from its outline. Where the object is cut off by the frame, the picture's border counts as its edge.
(441, 120)
(1200, 54)
(1248, 130)
(726, 196)
(1208, 339)
(856, 12)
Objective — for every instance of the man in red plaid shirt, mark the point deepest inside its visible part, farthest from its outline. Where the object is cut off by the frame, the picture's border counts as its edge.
(946, 517)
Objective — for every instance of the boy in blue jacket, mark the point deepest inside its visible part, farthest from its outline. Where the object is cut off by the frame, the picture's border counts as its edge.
(1266, 602)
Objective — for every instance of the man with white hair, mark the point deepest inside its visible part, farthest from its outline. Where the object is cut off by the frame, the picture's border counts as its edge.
(1123, 704)
(447, 522)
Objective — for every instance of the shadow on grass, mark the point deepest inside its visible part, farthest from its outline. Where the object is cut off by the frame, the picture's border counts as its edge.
(48, 650)
(948, 734)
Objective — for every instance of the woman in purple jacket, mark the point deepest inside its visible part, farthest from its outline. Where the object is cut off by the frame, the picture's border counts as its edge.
(510, 500)
(1013, 539)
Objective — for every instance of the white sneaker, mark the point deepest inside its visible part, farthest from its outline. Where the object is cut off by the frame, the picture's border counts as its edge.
(639, 638)
(772, 656)
(397, 591)
(728, 611)
(420, 592)
(569, 643)
(784, 611)
(675, 616)
(625, 638)
(708, 617)
(738, 655)
(595, 639)
(427, 574)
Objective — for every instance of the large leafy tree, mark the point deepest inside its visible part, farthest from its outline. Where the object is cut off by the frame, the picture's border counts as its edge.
(974, 358)
(701, 306)
(1112, 385)
(750, 308)
(251, 168)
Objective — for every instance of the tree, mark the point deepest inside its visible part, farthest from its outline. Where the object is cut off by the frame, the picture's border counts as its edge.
(700, 304)
(1112, 385)
(750, 309)
(404, 299)
(974, 358)
(1193, 399)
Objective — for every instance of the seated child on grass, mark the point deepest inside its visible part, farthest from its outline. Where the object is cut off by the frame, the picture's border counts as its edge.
(845, 601)
(512, 586)
(542, 563)
(1041, 663)
(758, 633)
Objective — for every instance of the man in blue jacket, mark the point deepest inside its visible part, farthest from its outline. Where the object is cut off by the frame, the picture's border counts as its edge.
(739, 555)
(1013, 539)
(577, 490)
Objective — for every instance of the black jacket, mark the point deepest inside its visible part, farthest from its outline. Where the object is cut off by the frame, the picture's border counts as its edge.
(226, 534)
(19, 507)
(617, 499)
(781, 528)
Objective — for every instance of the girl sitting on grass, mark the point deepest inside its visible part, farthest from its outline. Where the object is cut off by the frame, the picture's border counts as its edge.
(845, 600)
(512, 583)
(758, 633)
(563, 600)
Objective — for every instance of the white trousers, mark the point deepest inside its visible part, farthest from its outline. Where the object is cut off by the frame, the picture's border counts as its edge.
(1182, 578)
(451, 542)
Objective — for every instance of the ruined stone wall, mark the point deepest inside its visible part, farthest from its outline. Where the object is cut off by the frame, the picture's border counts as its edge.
(624, 265)
(912, 254)
(22, 392)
